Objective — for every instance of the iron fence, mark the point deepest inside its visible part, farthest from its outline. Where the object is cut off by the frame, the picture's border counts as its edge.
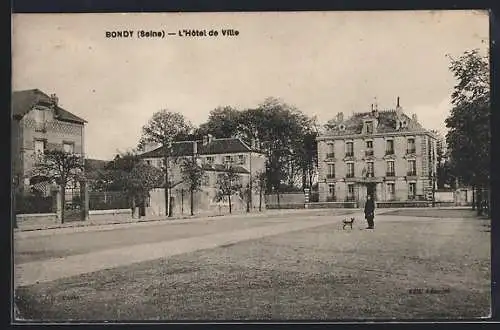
(30, 204)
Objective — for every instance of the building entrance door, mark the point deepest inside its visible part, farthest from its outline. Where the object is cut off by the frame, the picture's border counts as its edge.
(371, 189)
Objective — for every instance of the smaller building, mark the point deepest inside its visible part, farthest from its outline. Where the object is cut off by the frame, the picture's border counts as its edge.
(40, 123)
(215, 156)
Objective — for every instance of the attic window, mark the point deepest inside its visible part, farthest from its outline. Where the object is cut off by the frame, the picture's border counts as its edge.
(342, 127)
(369, 127)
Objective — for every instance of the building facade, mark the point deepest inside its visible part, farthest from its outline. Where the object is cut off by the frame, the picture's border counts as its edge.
(38, 124)
(385, 154)
(215, 156)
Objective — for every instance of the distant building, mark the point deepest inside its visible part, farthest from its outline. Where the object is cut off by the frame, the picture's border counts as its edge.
(215, 156)
(38, 124)
(385, 154)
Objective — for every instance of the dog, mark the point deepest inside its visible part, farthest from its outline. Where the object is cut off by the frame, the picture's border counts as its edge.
(347, 223)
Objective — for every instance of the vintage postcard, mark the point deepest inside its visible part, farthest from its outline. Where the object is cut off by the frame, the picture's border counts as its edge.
(328, 166)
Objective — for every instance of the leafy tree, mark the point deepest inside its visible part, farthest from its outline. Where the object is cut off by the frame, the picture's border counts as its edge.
(222, 123)
(228, 184)
(469, 136)
(163, 128)
(192, 174)
(60, 167)
(140, 180)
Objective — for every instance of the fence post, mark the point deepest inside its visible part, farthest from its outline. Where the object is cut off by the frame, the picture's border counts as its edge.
(85, 200)
(56, 195)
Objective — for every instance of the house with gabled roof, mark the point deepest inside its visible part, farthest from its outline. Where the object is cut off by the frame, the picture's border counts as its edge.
(216, 156)
(385, 154)
(40, 123)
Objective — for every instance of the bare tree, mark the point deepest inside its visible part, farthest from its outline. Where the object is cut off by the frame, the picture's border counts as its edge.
(192, 175)
(60, 167)
(163, 128)
(228, 184)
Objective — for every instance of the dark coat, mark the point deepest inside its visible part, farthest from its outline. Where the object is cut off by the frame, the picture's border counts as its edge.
(369, 208)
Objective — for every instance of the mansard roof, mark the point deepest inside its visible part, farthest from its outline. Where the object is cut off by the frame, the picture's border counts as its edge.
(216, 146)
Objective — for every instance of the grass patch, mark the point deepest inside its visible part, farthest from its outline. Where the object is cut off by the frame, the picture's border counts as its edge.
(322, 273)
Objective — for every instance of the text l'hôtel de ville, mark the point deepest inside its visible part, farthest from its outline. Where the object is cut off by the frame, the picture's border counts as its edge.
(139, 34)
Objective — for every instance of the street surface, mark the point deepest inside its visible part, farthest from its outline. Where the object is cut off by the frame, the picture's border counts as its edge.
(288, 265)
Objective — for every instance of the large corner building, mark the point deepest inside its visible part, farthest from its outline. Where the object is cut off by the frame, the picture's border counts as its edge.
(385, 154)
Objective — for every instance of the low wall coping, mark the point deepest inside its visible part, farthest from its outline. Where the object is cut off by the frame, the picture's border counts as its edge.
(34, 215)
(115, 211)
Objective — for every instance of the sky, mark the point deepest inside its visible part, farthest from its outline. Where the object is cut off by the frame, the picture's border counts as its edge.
(320, 62)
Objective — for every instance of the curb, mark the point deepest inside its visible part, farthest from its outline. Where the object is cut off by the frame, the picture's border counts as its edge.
(87, 227)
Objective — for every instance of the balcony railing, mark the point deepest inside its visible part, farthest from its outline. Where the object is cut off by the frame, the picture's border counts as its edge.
(411, 173)
(330, 155)
(349, 154)
(411, 151)
(350, 199)
(350, 175)
(331, 199)
(412, 197)
(389, 152)
(370, 175)
(330, 176)
(390, 174)
(368, 152)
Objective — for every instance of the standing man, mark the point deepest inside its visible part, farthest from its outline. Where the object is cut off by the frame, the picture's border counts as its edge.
(369, 212)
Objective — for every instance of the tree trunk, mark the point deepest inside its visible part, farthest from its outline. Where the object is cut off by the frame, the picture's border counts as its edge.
(133, 206)
(229, 198)
(167, 199)
(473, 197)
(248, 193)
(63, 202)
(479, 201)
(278, 197)
(260, 199)
(192, 202)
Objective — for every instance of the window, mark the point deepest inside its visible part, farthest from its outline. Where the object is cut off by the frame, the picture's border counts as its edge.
(205, 180)
(147, 161)
(391, 191)
(350, 170)
(412, 167)
(349, 149)
(410, 149)
(39, 146)
(389, 150)
(330, 151)
(369, 127)
(390, 169)
(350, 192)
(331, 192)
(209, 160)
(241, 159)
(228, 159)
(68, 147)
(412, 190)
(331, 171)
(370, 170)
(369, 148)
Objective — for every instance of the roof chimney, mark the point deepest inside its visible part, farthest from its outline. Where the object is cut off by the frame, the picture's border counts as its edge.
(54, 99)
(340, 116)
(397, 105)
(205, 140)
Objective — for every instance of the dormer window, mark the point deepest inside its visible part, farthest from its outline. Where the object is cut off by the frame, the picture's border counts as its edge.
(369, 127)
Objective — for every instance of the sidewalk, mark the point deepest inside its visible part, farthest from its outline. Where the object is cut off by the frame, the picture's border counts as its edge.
(89, 226)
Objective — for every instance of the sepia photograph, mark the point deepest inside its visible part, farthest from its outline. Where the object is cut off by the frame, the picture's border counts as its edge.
(251, 166)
